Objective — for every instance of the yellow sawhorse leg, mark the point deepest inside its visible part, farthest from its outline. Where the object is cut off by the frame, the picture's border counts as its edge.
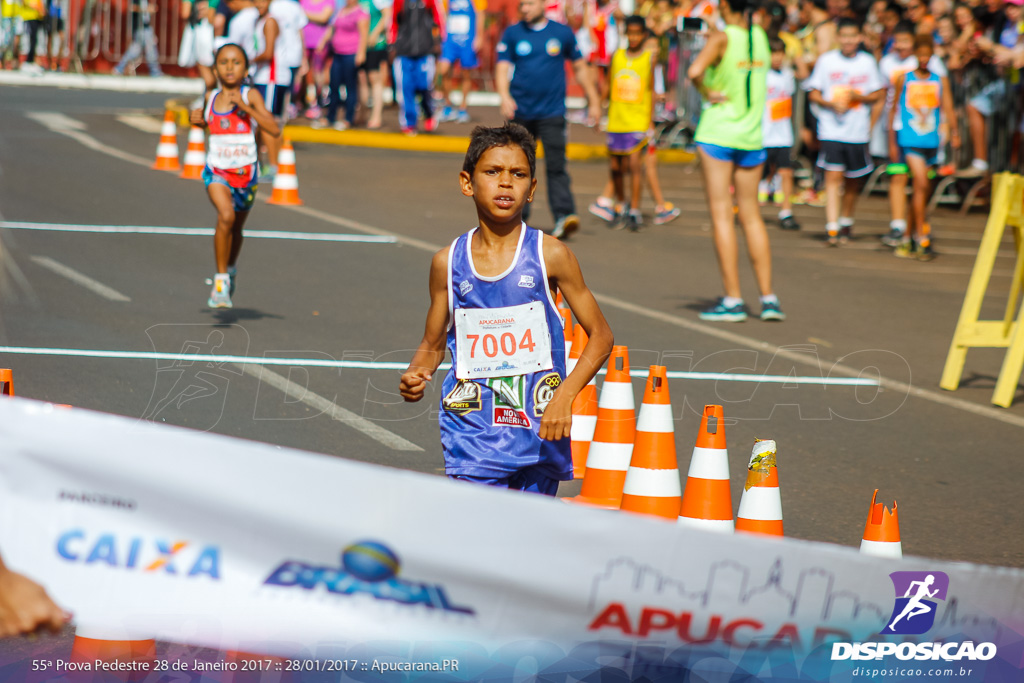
(1013, 362)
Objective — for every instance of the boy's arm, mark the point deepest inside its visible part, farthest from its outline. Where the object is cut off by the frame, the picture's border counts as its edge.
(432, 348)
(564, 269)
(894, 151)
(25, 606)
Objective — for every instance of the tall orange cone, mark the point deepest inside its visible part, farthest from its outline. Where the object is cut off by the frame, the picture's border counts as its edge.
(707, 502)
(167, 149)
(612, 447)
(114, 645)
(761, 503)
(560, 302)
(882, 532)
(286, 183)
(195, 154)
(652, 482)
(7, 380)
(584, 409)
(569, 336)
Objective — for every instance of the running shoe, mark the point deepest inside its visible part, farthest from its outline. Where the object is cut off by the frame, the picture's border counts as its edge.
(666, 213)
(770, 311)
(832, 241)
(845, 233)
(430, 125)
(313, 112)
(605, 213)
(925, 253)
(779, 197)
(565, 226)
(447, 114)
(904, 250)
(719, 312)
(341, 124)
(762, 198)
(220, 295)
(634, 219)
(894, 238)
(462, 116)
(408, 130)
(789, 223)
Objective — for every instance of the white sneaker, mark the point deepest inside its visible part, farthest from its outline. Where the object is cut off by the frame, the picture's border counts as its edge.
(220, 295)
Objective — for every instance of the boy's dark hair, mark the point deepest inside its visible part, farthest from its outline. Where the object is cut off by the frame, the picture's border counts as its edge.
(895, 7)
(776, 44)
(905, 27)
(484, 138)
(847, 22)
(234, 45)
(636, 20)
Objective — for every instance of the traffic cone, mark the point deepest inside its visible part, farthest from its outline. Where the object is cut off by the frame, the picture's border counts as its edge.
(286, 183)
(7, 380)
(612, 447)
(569, 336)
(652, 482)
(882, 532)
(707, 502)
(167, 150)
(560, 303)
(584, 409)
(761, 504)
(195, 154)
(113, 645)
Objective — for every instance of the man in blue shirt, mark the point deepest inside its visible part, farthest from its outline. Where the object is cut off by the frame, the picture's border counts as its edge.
(534, 95)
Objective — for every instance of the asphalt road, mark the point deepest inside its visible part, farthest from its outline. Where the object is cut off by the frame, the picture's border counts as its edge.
(949, 459)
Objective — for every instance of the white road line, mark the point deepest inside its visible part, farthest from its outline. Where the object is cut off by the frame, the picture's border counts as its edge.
(80, 279)
(147, 124)
(381, 365)
(197, 232)
(999, 414)
(65, 125)
(357, 422)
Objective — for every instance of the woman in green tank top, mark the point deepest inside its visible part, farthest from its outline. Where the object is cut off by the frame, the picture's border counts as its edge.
(730, 73)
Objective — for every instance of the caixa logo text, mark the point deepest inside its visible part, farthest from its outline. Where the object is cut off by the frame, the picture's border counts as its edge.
(369, 568)
(137, 553)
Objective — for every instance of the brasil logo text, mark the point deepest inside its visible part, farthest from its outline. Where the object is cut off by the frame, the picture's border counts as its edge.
(367, 567)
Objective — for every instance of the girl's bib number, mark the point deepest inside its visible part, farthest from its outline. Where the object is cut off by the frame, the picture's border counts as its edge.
(502, 342)
(232, 151)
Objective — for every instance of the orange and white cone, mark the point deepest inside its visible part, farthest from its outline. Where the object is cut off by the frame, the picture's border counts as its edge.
(105, 644)
(195, 154)
(652, 482)
(7, 380)
(584, 409)
(882, 532)
(612, 446)
(560, 303)
(286, 183)
(707, 502)
(167, 149)
(761, 503)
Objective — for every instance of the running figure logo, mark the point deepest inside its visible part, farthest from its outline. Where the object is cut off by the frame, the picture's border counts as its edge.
(914, 612)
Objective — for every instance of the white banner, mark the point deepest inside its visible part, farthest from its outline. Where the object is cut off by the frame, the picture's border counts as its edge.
(150, 531)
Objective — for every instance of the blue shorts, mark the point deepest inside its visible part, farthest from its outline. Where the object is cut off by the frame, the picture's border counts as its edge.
(531, 479)
(991, 97)
(453, 51)
(744, 158)
(242, 197)
(624, 144)
(929, 154)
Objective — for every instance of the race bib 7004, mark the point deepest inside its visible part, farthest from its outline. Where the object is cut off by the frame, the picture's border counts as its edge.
(502, 342)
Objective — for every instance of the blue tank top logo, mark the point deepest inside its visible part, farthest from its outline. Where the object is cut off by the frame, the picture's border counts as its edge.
(465, 287)
(543, 390)
(509, 402)
(464, 398)
(526, 281)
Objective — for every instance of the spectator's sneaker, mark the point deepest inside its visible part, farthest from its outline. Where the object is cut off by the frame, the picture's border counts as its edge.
(447, 114)
(789, 223)
(220, 295)
(341, 124)
(813, 198)
(762, 198)
(634, 219)
(845, 234)
(666, 213)
(411, 132)
(832, 241)
(904, 250)
(894, 238)
(462, 116)
(770, 311)
(779, 197)
(565, 226)
(719, 313)
(313, 113)
(605, 213)
(925, 253)
(293, 112)
(430, 125)
(318, 124)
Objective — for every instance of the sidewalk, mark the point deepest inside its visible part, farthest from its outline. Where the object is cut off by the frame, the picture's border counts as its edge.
(584, 143)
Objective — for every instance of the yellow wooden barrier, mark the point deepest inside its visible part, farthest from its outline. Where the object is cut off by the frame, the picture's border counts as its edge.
(1008, 333)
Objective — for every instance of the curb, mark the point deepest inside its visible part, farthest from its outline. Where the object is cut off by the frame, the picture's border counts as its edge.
(143, 84)
(449, 144)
